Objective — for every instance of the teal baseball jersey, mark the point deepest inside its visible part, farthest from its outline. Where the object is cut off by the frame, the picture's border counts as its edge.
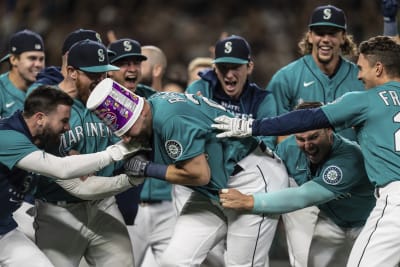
(343, 173)
(303, 81)
(88, 134)
(15, 183)
(253, 102)
(152, 189)
(182, 130)
(375, 115)
(11, 98)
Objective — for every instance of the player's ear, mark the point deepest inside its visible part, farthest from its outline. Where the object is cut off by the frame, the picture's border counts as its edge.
(250, 67)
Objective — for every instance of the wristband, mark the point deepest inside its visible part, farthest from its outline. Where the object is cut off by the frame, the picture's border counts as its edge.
(156, 170)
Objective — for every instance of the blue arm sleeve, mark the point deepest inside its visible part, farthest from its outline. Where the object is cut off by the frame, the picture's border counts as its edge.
(291, 199)
(293, 122)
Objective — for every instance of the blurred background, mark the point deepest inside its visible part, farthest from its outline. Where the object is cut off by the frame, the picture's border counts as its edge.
(185, 29)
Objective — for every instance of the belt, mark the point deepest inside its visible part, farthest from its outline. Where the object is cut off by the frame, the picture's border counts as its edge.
(64, 202)
(149, 202)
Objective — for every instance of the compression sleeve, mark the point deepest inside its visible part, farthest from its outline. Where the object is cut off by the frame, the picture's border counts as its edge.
(291, 199)
(64, 167)
(96, 187)
(293, 122)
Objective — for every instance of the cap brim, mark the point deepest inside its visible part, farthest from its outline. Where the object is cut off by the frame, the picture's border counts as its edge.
(5, 58)
(327, 24)
(103, 68)
(139, 56)
(230, 60)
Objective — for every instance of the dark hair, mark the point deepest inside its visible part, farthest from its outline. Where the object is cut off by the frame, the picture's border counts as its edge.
(45, 99)
(306, 105)
(385, 50)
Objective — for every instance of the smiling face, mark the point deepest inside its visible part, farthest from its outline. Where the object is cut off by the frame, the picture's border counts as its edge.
(129, 73)
(233, 77)
(52, 125)
(27, 65)
(316, 144)
(326, 43)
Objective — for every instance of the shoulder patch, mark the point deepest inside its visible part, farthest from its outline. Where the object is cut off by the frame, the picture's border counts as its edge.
(174, 149)
(332, 175)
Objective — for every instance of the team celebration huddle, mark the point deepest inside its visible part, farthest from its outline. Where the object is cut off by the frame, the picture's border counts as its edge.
(104, 164)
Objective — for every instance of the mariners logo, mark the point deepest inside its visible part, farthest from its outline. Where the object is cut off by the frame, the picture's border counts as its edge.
(174, 149)
(332, 175)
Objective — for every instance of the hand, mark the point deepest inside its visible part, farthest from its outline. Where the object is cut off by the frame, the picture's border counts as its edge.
(389, 9)
(121, 150)
(233, 199)
(233, 127)
(136, 166)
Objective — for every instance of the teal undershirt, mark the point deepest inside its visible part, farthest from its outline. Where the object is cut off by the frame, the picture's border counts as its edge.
(291, 199)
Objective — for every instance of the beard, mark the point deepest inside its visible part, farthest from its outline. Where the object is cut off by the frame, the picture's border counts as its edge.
(49, 141)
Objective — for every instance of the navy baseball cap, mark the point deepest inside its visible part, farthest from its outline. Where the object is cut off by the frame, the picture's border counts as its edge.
(233, 49)
(126, 48)
(328, 16)
(89, 56)
(24, 41)
(79, 35)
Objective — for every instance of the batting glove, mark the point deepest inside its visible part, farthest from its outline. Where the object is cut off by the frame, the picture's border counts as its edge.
(136, 166)
(121, 150)
(233, 127)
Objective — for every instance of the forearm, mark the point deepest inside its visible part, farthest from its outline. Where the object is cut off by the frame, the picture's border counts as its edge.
(292, 122)
(64, 167)
(291, 199)
(96, 187)
(180, 176)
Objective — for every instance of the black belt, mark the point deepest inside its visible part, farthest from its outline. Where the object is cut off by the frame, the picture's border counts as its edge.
(150, 201)
(64, 202)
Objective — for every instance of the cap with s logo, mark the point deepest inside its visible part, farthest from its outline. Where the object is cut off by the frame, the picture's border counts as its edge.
(328, 16)
(126, 48)
(79, 35)
(24, 41)
(233, 49)
(89, 56)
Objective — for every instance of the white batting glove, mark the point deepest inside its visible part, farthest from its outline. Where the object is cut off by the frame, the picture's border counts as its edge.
(121, 150)
(233, 127)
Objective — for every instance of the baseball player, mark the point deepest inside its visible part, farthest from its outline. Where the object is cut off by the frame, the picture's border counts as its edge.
(330, 172)
(155, 218)
(186, 152)
(23, 136)
(373, 114)
(228, 84)
(323, 73)
(26, 58)
(96, 227)
(53, 75)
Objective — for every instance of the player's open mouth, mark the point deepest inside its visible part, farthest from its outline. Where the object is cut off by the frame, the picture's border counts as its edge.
(230, 83)
(131, 79)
